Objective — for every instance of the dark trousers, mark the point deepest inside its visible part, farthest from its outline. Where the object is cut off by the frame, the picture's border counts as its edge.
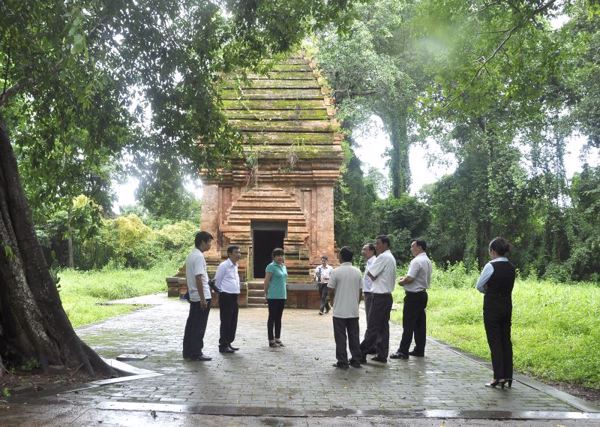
(497, 313)
(414, 322)
(195, 327)
(276, 307)
(378, 326)
(368, 303)
(343, 328)
(323, 291)
(228, 308)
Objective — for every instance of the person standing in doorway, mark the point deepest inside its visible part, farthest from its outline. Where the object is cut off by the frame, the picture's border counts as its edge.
(496, 282)
(383, 275)
(276, 295)
(200, 297)
(346, 283)
(414, 320)
(227, 281)
(322, 274)
(368, 253)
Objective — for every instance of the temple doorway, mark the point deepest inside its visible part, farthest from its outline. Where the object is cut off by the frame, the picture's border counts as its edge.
(266, 236)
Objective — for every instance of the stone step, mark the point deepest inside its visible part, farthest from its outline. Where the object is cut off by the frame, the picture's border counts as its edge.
(256, 301)
(258, 293)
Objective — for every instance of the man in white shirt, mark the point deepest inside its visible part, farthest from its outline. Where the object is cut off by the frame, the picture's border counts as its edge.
(383, 275)
(368, 253)
(415, 283)
(227, 282)
(199, 291)
(322, 274)
(346, 283)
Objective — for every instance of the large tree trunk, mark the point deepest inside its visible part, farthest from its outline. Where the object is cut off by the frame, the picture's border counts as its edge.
(397, 125)
(33, 324)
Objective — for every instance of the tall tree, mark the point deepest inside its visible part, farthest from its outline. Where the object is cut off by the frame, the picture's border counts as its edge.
(83, 62)
(492, 65)
(374, 69)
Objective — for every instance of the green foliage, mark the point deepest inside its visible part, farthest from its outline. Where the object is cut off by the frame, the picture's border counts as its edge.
(374, 70)
(127, 241)
(547, 316)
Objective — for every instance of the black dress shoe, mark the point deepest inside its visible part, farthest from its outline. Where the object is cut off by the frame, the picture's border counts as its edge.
(233, 348)
(398, 355)
(372, 351)
(379, 359)
(414, 353)
(355, 364)
(340, 365)
(363, 359)
(226, 350)
(200, 358)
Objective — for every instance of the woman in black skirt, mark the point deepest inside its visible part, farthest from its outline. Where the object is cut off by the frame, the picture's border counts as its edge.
(496, 281)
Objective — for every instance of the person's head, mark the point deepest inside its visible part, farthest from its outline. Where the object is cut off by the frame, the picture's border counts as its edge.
(346, 254)
(278, 255)
(382, 243)
(368, 250)
(234, 253)
(324, 260)
(417, 247)
(499, 246)
(203, 240)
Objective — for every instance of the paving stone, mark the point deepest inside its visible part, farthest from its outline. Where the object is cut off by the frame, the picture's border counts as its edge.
(299, 375)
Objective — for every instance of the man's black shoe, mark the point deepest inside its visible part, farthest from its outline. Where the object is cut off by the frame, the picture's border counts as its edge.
(398, 355)
(372, 351)
(363, 359)
(355, 364)
(379, 359)
(233, 348)
(225, 350)
(414, 353)
(200, 358)
(340, 365)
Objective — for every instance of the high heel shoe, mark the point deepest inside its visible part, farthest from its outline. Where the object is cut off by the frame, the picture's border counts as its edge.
(495, 383)
(508, 383)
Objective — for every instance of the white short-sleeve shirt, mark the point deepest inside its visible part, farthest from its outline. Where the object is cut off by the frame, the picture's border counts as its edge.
(367, 282)
(347, 282)
(195, 264)
(420, 270)
(384, 271)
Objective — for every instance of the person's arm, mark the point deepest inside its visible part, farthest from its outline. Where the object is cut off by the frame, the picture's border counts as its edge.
(268, 276)
(485, 275)
(331, 284)
(219, 275)
(413, 270)
(376, 268)
(200, 287)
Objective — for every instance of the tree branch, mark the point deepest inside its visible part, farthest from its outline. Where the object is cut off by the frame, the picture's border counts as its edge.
(508, 35)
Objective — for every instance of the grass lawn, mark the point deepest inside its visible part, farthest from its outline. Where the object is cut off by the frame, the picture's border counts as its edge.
(555, 327)
(82, 291)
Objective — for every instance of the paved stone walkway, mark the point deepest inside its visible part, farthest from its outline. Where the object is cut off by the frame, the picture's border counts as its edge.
(298, 379)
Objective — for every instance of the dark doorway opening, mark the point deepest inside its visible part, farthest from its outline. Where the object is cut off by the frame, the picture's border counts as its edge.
(266, 237)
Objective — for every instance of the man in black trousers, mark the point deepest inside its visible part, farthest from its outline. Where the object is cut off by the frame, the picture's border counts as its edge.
(200, 297)
(415, 283)
(227, 282)
(383, 275)
(346, 283)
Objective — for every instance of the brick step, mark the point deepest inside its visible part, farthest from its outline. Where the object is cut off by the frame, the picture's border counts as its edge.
(258, 293)
(256, 301)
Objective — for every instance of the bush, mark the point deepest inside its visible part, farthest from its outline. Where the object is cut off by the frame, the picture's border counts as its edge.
(454, 276)
(127, 242)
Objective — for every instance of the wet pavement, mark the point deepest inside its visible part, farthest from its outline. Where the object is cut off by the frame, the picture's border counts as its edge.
(292, 385)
